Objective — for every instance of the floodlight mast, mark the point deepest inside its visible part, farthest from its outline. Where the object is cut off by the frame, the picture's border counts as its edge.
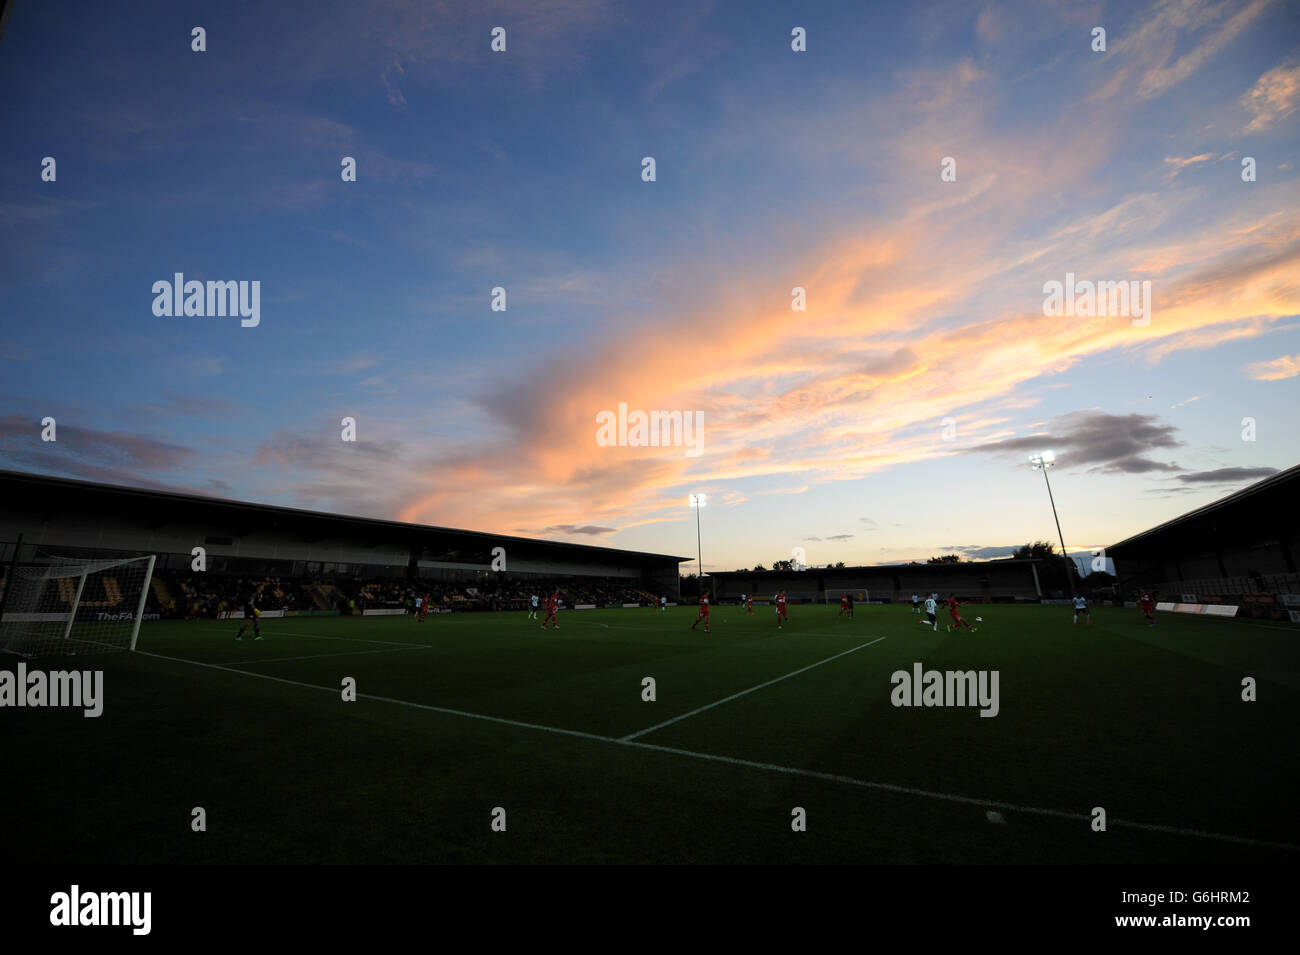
(699, 502)
(1041, 462)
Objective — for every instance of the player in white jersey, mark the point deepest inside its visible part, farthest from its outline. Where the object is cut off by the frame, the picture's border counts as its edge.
(1081, 607)
(663, 604)
(916, 604)
(532, 614)
(931, 611)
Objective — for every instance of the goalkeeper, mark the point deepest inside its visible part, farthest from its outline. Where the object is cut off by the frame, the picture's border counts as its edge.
(251, 613)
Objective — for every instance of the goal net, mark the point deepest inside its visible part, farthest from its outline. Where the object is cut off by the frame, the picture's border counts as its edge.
(65, 606)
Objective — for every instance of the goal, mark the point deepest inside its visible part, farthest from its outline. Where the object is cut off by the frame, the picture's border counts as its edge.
(65, 606)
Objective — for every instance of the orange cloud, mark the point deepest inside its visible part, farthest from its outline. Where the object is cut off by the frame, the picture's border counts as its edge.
(1274, 96)
(1288, 366)
(830, 406)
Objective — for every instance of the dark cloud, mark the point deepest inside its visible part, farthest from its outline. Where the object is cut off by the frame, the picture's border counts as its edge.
(587, 529)
(185, 406)
(980, 551)
(88, 448)
(314, 467)
(1112, 444)
(323, 449)
(345, 495)
(887, 363)
(1225, 475)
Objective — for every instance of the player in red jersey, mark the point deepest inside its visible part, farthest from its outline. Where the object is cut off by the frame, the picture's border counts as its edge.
(749, 605)
(704, 612)
(957, 621)
(424, 610)
(844, 605)
(552, 605)
(1148, 608)
(781, 615)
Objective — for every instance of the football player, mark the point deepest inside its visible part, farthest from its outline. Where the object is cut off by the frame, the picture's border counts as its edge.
(1081, 607)
(704, 613)
(931, 609)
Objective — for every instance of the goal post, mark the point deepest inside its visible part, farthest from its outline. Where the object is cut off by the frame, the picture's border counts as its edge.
(62, 606)
(144, 594)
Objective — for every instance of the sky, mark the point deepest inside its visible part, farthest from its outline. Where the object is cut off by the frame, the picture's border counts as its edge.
(921, 172)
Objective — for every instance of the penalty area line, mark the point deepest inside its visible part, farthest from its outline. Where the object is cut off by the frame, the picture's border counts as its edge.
(769, 767)
(736, 696)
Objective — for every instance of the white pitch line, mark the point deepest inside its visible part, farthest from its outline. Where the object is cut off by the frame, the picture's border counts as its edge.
(386, 699)
(771, 767)
(735, 696)
(967, 800)
(319, 656)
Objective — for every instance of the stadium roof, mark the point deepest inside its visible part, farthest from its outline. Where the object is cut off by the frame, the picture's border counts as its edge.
(53, 495)
(1266, 508)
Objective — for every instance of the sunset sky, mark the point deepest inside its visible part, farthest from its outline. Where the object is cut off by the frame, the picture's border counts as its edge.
(825, 429)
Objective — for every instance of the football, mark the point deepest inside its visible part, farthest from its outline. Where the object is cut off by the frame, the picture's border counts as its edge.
(979, 619)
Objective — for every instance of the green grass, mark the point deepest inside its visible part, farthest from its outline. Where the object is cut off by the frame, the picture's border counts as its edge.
(1147, 723)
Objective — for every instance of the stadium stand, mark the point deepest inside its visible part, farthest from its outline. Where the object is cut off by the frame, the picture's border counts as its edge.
(1242, 549)
(973, 581)
(305, 561)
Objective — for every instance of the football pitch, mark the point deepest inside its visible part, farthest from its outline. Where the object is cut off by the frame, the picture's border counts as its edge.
(464, 716)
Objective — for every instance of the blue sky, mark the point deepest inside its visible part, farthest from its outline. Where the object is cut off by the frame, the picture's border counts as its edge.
(824, 429)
